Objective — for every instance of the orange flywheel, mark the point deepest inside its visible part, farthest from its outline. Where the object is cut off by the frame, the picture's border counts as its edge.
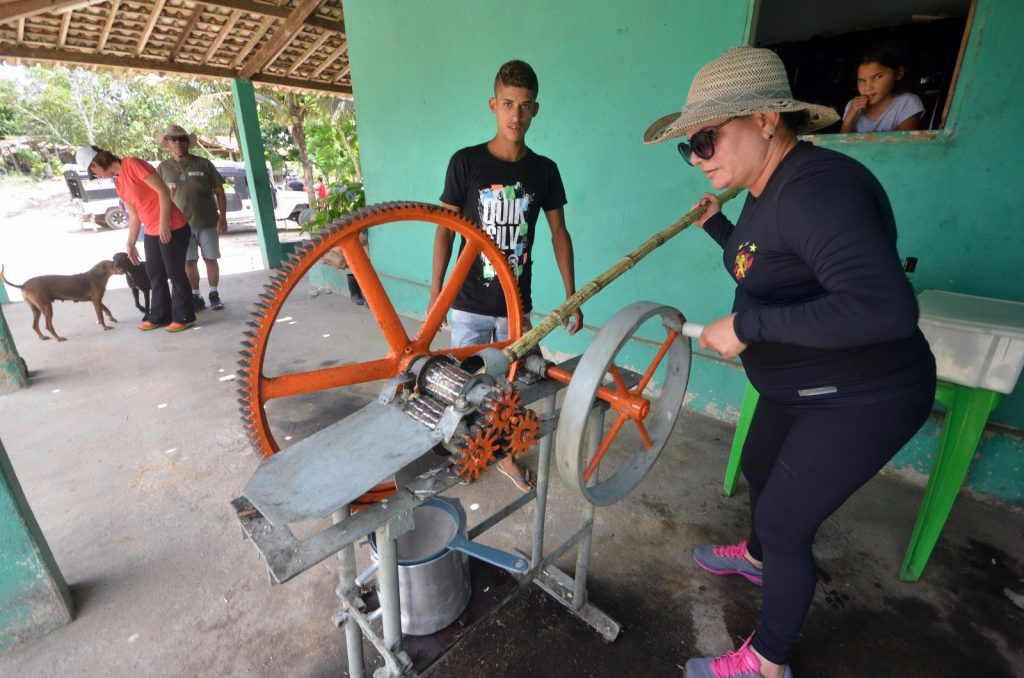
(525, 432)
(267, 375)
(478, 452)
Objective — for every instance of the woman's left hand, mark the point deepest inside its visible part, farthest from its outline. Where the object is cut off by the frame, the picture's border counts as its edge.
(165, 233)
(720, 337)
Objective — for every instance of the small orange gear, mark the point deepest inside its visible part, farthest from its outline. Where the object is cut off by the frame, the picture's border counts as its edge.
(478, 452)
(525, 432)
(504, 409)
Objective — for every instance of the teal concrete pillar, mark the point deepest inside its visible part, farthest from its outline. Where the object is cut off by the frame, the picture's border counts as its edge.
(13, 373)
(34, 598)
(256, 169)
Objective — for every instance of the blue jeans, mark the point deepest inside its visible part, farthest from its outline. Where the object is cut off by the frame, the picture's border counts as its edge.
(470, 329)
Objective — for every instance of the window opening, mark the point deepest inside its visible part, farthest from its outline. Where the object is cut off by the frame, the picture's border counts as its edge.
(822, 44)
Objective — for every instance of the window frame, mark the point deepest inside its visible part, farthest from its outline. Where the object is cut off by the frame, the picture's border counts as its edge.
(950, 114)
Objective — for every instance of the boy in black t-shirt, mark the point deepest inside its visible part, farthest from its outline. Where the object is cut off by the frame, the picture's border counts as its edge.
(503, 186)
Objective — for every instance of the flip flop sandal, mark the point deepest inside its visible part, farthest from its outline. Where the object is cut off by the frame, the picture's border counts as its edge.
(527, 478)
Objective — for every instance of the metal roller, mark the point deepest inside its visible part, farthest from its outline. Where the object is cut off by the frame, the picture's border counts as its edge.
(442, 378)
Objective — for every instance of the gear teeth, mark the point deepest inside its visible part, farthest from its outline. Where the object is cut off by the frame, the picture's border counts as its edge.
(255, 324)
(243, 363)
(272, 287)
(249, 334)
(266, 296)
(258, 313)
(247, 354)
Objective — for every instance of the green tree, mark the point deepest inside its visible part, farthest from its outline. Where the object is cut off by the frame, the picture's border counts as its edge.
(333, 142)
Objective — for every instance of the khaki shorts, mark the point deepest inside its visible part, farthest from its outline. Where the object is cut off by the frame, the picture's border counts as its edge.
(207, 240)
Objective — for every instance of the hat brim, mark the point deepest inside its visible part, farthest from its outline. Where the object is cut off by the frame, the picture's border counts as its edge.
(160, 141)
(675, 124)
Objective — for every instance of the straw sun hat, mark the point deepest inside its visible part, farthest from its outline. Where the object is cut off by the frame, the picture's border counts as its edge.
(174, 131)
(743, 81)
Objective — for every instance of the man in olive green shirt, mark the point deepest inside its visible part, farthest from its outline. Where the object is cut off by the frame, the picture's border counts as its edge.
(197, 188)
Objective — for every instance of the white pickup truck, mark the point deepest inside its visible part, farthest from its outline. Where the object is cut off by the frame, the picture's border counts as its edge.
(97, 201)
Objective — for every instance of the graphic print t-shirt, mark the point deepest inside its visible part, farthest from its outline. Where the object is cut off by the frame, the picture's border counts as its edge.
(504, 199)
(192, 182)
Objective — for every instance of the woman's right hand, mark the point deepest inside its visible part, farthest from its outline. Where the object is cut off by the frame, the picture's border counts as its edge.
(133, 254)
(165, 233)
(713, 208)
(857, 105)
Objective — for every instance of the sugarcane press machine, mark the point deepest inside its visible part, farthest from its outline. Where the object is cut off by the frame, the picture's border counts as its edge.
(445, 415)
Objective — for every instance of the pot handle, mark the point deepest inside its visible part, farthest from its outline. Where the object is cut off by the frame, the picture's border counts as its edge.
(489, 554)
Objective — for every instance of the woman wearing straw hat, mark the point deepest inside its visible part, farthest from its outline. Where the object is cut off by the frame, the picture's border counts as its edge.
(823, 320)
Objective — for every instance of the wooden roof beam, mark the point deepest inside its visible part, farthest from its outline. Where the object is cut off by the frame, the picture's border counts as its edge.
(184, 34)
(189, 70)
(253, 39)
(342, 72)
(278, 12)
(331, 58)
(309, 51)
(65, 22)
(114, 6)
(154, 14)
(285, 34)
(225, 31)
(30, 8)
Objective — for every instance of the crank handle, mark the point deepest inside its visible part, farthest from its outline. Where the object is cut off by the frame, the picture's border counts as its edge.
(692, 330)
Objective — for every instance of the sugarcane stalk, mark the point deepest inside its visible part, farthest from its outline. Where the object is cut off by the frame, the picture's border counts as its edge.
(557, 317)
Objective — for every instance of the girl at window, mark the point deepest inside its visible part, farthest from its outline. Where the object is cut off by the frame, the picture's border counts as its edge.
(881, 106)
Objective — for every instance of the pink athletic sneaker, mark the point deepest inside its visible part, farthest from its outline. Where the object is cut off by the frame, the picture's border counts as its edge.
(727, 560)
(741, 663)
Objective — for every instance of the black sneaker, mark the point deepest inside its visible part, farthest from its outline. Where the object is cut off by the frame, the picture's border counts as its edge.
(215, 302)
(198, 304)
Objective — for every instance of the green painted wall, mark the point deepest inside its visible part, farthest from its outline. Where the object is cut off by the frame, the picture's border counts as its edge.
(422, 74)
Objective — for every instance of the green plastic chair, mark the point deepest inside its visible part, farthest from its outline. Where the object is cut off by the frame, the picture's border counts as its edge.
(967, 412)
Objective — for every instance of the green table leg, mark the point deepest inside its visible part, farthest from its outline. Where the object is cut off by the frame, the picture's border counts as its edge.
(967, 411)
(732, 470)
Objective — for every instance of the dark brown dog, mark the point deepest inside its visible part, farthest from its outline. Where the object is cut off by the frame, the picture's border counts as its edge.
(40, 293)
(138, 280)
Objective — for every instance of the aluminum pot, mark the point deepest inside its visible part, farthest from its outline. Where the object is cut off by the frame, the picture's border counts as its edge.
(433, 569)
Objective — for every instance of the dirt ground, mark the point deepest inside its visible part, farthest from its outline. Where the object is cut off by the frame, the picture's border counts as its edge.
(40, 234)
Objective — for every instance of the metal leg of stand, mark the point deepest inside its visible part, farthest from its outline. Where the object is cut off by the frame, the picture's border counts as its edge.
(595, 433)
(543, 476)
(387, 579)
(346, 577)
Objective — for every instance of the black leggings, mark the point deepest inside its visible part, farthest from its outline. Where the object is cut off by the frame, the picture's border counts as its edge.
(802, 464)
(168, 261)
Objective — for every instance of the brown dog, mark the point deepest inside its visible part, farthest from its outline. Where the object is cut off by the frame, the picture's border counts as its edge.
(40, 293)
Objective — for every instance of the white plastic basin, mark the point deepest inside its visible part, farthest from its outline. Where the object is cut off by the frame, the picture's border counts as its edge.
(977, 341)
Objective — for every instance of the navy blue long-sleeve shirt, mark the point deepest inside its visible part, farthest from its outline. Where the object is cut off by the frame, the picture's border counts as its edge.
(821, 297)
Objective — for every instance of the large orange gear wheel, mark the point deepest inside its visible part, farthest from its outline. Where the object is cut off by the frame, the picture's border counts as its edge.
(256, 388)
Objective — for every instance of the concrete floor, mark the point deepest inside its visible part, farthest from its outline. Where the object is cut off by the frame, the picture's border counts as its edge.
(129, 448)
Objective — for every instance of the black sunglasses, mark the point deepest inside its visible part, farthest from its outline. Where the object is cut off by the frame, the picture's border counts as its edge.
(702, 143)
(183, 138)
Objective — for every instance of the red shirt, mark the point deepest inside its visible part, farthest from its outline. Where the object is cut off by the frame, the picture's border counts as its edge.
(321, 191)
(132, 187)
